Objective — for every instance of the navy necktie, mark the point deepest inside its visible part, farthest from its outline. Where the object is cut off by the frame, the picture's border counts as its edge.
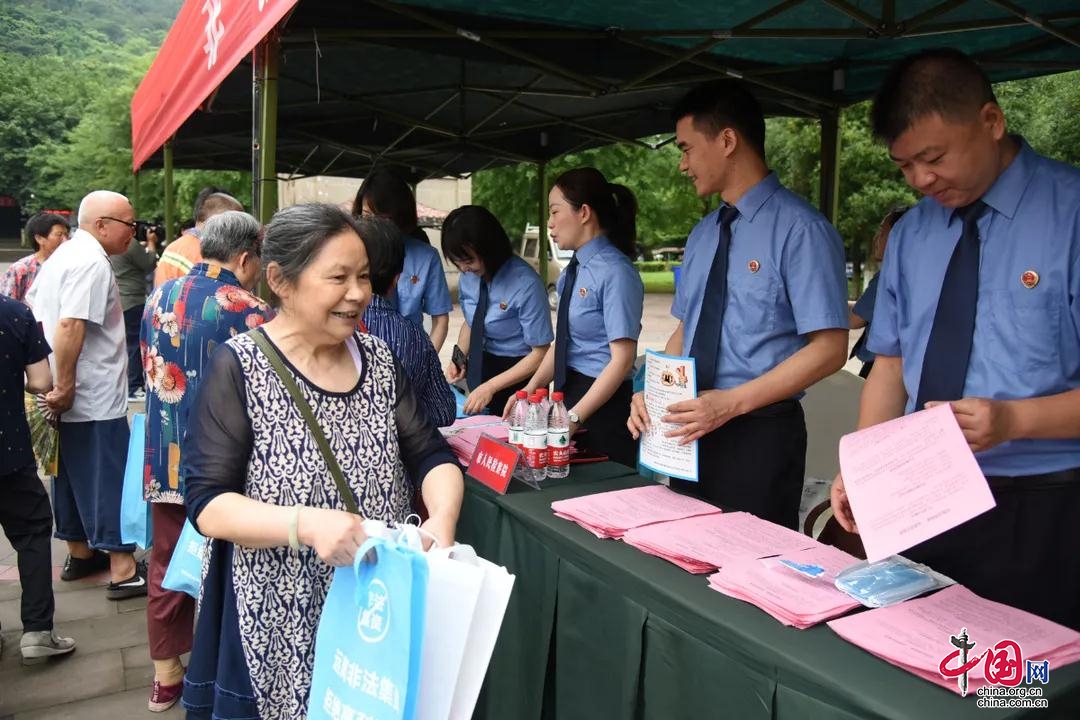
(948, 350)
(706, 346)
(562, 324)
(475, 373)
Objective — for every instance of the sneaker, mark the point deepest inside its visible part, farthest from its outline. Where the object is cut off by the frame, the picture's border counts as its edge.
(132, 587)
(78, 568)
(137, 395)
(37, 647)
(163, 697)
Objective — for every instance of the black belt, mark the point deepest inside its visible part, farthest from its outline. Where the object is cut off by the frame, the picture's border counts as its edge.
(1061, 478)
(777, 409)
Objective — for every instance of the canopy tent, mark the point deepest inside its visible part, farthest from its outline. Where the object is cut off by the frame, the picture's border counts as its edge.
(449, 87)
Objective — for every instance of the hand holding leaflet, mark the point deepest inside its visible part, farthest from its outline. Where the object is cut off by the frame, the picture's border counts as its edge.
(668, 379)
(911, 479)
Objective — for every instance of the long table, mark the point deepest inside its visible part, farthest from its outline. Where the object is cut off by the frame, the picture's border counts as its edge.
(596, 629)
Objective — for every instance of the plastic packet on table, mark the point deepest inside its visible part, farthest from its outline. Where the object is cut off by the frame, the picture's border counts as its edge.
(889, 581)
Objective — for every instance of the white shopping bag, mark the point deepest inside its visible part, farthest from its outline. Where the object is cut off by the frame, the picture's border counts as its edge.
(467, 598)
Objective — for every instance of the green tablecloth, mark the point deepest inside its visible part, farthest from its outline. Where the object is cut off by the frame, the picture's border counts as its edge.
(596, 629)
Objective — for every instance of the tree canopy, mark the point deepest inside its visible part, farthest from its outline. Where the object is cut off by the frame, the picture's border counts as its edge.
(68, 69)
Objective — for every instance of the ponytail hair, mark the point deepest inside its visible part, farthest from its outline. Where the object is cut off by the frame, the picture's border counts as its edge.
(614, 205)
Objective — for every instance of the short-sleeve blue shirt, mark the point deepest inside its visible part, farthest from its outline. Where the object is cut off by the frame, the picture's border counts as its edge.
(422, 288)
(785, 279)
(1027, 339)
(518, 318)
(864, 308)
(606, 305)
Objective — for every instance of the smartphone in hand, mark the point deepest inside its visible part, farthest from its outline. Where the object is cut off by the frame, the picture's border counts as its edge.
(460, 361)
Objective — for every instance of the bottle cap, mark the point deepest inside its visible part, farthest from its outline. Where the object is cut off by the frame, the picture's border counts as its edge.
(556, 396)
(521, 394)
(542, 392)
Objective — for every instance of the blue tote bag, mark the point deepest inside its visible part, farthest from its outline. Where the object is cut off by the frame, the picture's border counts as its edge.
(184, 573)
(134, 510)
(370, 639)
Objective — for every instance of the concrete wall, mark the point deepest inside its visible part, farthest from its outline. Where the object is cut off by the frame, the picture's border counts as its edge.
(440, 193)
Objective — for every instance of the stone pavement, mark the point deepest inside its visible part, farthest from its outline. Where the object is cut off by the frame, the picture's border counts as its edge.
(108, 675)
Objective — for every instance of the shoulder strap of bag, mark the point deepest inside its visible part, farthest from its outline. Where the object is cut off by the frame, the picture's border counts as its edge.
(271, 353)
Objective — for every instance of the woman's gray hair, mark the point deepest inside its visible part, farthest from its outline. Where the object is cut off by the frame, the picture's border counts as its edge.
(296, 234)
(226, 235)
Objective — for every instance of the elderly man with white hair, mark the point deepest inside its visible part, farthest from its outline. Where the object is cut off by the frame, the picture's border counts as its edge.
(77, 301)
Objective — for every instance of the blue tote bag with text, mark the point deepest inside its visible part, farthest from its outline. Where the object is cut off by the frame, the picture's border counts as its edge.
(370, 639)
(134, 510)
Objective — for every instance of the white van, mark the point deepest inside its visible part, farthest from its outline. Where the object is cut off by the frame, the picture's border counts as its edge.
(529, 249)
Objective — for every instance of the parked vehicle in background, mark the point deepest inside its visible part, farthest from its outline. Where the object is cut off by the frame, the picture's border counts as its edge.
(529, 249)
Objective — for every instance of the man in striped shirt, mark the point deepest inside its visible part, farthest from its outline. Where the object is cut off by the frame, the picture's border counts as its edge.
(408, 341)
(185, 252)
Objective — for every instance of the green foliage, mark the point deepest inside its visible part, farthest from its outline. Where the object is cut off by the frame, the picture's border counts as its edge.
(68, 69)
(667, 205)
(658, 282)
(1046, 111)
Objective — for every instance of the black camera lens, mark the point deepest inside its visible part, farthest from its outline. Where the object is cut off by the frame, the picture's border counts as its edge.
(143, 227)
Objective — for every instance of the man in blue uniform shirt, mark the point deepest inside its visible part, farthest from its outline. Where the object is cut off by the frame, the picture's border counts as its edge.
(979, 305)
(761, 306)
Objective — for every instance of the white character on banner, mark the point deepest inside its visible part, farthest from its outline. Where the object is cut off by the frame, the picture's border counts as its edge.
(215, 30)
(262, 4)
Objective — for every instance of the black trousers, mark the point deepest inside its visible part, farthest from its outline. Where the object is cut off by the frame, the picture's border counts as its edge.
(755, 463)
(607, 431)
(495, 365)
(26, 518)
(1023, 552)
(132, 326)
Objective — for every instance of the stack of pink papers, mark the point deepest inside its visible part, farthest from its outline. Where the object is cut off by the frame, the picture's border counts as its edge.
(789, 596)
(463, 435)
(611, 514)
(703, 544)
(916, 636)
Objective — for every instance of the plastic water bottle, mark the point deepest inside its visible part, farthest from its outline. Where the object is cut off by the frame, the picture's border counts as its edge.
(558, 438)
(518, 415)
(542, 393)
(536, 440)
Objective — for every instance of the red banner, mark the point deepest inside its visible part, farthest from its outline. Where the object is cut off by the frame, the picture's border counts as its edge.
(206, 42)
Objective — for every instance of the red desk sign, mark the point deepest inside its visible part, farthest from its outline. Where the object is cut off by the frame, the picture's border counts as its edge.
(493, 463)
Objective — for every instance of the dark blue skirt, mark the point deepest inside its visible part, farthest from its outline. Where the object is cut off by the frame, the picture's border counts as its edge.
(217, 685)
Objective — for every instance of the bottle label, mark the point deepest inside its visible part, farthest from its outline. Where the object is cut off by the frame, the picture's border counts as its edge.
(516, 436)
(535, 447)
(558, 442)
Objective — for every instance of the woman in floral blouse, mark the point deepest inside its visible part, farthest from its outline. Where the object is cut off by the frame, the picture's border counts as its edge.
(183, 322)
(47, 230)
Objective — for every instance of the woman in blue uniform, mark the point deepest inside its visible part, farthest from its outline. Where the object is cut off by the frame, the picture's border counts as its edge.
(600, 305)
(421, 289)
(505, 341)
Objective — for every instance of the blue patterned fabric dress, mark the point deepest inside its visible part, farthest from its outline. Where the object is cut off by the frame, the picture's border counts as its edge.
(260, 607)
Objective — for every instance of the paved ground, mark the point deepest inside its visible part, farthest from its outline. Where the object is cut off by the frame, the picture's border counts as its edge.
(109, 674)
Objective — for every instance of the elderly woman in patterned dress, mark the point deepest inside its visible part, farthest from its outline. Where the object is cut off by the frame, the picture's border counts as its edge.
(253, 470)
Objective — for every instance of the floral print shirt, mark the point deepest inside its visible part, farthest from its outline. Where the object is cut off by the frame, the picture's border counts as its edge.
(184, 321)
(19, 276)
